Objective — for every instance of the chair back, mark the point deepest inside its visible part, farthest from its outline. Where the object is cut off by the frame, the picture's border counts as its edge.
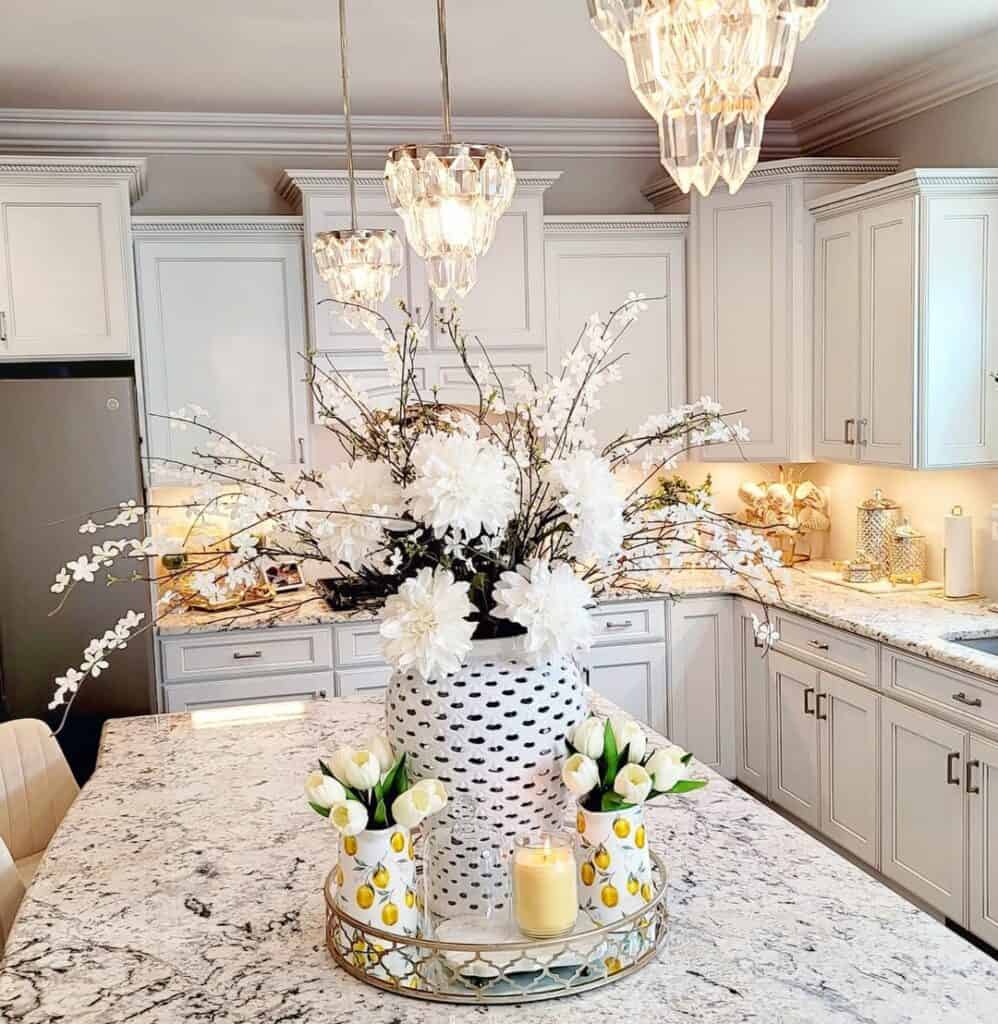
(11, 892)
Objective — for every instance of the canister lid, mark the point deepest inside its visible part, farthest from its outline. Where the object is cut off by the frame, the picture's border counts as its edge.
(878, 501)
(906, 531)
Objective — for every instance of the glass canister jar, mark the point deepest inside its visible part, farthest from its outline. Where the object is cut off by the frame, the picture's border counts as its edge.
(876, 520)
(907, 554)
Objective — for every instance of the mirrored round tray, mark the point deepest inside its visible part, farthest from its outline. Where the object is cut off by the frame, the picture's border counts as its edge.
(500, 967)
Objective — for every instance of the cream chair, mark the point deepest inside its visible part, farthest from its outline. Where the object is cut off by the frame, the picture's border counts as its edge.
(11, 892)
(36, 789)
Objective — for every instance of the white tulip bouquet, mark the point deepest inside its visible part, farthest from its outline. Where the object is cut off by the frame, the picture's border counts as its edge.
(368, 787)
(610, 768)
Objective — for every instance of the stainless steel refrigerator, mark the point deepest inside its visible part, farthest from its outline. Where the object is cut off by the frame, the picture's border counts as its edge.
(69, 446)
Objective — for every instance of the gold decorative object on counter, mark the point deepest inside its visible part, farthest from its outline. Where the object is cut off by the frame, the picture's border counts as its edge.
(790, 509)
(876, 520)
(861, 569)
(907, 554)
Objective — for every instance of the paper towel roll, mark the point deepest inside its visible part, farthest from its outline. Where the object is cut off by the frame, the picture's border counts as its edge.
(958, 541)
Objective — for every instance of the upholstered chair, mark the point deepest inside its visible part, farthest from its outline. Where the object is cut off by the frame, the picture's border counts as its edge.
(36, 789)
(11, 891)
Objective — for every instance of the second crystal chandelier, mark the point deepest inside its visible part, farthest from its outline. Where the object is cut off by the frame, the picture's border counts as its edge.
(708, 71)
(450, 195)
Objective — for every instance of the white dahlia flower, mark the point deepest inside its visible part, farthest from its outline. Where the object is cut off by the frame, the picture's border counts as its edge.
(425, 625)
(588, 491)
(368, 498)
(550, 603)
(464, 484)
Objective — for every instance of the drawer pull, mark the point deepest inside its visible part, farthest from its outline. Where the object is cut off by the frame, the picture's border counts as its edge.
(239, 656)
(626, 624)
(971, 765)
(322, 694)
(808, 710)
(821, 717)
(951, 759)
(962, 698)
(818, 645)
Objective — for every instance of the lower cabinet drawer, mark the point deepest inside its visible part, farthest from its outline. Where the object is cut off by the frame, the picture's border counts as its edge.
(361, 681)
(628, 621)
(238, 692)
(846, 654)
(246, 653)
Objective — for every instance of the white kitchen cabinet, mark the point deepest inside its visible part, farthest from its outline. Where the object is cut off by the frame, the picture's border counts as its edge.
(923, 839)
(633, 676)
(906, 330)
(793, 740)
(701, 680)
(274, 689)
(751, 702)
(222, 314)
(363, 682)
(591, 265)
(981, 785)
(66, 283)
(750, 298)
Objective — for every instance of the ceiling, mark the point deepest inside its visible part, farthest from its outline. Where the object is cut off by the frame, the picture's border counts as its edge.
(515, 58)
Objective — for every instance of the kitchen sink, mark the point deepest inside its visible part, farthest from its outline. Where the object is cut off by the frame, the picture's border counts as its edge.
(985, 644)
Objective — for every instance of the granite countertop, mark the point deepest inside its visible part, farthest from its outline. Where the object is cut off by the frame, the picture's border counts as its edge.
(918, 622)
(185, 885)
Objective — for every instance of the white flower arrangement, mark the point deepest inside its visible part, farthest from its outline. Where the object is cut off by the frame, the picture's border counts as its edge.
(367, 787)
(494, 519)
(609, 767)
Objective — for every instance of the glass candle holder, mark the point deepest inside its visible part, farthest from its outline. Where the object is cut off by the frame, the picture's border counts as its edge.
(545, 892)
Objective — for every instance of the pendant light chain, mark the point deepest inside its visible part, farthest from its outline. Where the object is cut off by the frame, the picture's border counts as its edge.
(444, 74)
(345, 78)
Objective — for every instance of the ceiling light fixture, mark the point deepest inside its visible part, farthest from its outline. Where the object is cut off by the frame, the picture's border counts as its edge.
(708, 71)
(450, 195)
(358, 264)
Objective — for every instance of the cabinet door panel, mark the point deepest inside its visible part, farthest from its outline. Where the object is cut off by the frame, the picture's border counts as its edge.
(849, 739)
(63, 278)
(634, 678)
(751, 706)
(836, 337)
(241, 693)
(793, 738)
(888, 333)
(960, 332)
(984, 840)
(923, 836)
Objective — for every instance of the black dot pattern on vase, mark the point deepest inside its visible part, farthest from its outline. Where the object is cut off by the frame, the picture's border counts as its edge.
(496, 730)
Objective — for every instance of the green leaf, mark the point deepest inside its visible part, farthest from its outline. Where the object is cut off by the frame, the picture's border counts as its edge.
(688, 785)
(389, 780)
(610, 755)
(324, 811)
(325, 769)
(686, 758)
(351, 795)
(613, 802)
(380, 814)
(402, 778)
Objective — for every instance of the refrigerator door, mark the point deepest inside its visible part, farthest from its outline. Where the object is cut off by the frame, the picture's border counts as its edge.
(69, 448)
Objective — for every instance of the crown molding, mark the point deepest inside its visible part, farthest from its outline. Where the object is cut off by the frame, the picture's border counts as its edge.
(946, 76)
(131, 170)
(632, 224)
(242, 227)
(293, 185)
(931, 181)
(108, 131)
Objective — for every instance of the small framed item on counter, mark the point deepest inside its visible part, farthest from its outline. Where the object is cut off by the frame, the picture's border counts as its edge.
(284, 576)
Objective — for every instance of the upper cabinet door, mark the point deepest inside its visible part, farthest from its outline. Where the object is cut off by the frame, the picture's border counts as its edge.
(223, 327)
(836, 337)
(592, 270)
(960, 332)
(64, 271)
(887, 328)
(743, 357)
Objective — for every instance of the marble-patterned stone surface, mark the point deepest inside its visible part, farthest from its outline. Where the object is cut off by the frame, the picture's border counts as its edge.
(185, 886)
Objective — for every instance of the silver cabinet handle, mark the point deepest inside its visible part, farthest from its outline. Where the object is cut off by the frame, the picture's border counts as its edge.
(818, 645)
(239, 656)
(861, 433)
(847, 434)
(808, 710)
(962, 698)
(819, 715)
(951, 759)
(626, 624)
(3, 325)
(301, 451)
(971, 765)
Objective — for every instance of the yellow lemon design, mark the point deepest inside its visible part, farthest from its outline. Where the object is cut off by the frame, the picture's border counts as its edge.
(338, 875)
(612, 965)
(609, 896)
(398, 842)
(639, 837)
(410, 898)
(365, 897)
(602, 858)
(588, 873)
(580, 822)
(622, 828)
(646, 892)
(390, 914)
(381, 878)
(633, 885)
(350, 845)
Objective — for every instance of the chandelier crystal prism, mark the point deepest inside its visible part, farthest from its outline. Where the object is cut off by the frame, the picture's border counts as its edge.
(450, 195)
(357, 264)
(707, 71)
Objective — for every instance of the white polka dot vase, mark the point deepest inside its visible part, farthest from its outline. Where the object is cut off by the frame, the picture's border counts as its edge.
(614, 864)
(494, 734)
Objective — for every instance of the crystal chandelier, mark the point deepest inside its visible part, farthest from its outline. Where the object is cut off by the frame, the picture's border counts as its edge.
(708, 71)
(450, 195)
(357, 264)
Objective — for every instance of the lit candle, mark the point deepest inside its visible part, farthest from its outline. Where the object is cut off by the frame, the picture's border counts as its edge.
(545, 897)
